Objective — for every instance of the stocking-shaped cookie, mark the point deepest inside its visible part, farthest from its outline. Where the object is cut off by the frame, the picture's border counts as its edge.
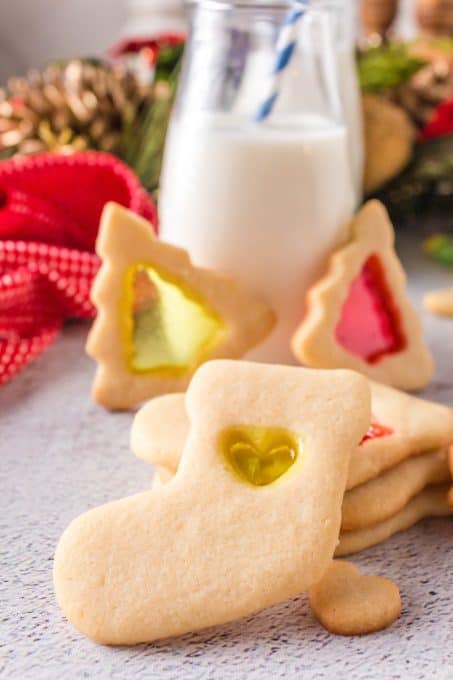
(251, 517)
(358, 314)
(402, 426)
(161, 427)
(159, 317)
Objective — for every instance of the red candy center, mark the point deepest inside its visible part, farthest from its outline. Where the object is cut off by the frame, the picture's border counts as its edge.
(370, 324)
(376, 431)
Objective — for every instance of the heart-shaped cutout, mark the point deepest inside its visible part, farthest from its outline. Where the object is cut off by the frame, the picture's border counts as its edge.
(168, 326)
(260, 455)
(370, 324)
(346, 602)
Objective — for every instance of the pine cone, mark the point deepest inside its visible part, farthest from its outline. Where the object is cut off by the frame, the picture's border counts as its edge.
(427, 88)
(377, 17)
(69, 107)
(435, 16)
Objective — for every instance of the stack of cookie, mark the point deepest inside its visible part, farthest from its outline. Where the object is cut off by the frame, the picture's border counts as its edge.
(398, 475)
(208, 548)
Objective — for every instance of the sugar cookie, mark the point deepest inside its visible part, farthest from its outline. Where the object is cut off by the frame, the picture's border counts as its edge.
(250, 519)
(159, 316)
(410, 426)
(380, 498)
(439, 302)
(161, 427)
(403, 426)
(346, 602)
(159, 432)
(359, 316)
(432, 502)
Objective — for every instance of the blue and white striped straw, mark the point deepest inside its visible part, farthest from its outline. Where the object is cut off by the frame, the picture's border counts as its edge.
(286, 45)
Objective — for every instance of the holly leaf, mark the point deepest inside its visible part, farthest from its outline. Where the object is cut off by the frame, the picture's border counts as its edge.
(440, 248)
(168, 60)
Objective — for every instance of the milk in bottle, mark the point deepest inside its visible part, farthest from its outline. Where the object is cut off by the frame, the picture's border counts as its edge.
(263, 202)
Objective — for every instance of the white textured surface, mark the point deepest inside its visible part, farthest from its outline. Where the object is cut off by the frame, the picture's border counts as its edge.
(60, 454)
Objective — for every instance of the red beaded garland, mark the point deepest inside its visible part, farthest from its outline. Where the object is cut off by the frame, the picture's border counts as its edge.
(49, 214)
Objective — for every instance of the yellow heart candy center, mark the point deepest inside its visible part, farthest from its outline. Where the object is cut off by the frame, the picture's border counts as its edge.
(260, 455)
(168, 326)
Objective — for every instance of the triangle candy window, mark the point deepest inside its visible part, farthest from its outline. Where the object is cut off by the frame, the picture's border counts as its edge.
(359, 316)
(167, 326)
(370, 324)
(159, 316)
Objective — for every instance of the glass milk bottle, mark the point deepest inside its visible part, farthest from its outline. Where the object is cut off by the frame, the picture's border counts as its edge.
(343, 22)
(344, 17)
(263, 201)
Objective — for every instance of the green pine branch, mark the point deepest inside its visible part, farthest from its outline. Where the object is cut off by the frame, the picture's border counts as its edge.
(386, 67)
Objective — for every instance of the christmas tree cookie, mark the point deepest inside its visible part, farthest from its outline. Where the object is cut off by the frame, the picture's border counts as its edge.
(251, 519)
(359, 316)
(159, 316)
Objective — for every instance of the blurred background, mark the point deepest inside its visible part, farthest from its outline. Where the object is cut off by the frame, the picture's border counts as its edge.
(32, 33)
(122, 105)
(102, 76)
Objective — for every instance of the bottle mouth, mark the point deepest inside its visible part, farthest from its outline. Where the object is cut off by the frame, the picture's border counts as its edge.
(264, 4)
(245, 4)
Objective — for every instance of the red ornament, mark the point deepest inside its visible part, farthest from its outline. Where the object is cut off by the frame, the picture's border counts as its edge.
(145, 46)
(370, 325)
(137, 44)
(441, 123)
(50, 206)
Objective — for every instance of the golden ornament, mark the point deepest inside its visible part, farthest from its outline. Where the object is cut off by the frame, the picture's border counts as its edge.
(435, 17)
(389, 141)
(377, 17)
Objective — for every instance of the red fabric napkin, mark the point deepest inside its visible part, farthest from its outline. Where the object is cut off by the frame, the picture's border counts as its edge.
(50, 206)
